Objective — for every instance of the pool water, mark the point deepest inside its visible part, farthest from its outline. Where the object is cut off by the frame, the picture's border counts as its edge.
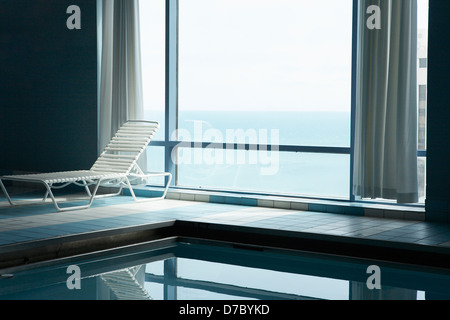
(199, 270)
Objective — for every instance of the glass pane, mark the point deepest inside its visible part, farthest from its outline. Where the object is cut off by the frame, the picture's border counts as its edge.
(155, 163)
(282, 65)
(307, 129)
(422, 72)
(152, 27)
(325, 175)
(422, 177)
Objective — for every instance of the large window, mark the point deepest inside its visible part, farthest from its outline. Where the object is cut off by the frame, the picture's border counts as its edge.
(261, 96)
(257, 72)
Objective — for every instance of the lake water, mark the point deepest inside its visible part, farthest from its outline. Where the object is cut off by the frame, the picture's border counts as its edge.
(261, 171)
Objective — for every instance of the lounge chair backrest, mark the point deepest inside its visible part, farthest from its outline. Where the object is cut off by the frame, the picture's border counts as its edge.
(126, 146)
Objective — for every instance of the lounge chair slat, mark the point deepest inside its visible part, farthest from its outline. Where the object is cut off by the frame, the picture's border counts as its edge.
(131, 139)
(118, 161)
(141, 125)
(127, 145)
(142, 130)
(122, 149)
(112, 165)
(121, 156)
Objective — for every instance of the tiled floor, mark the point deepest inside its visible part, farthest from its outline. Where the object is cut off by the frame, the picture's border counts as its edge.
(25, 224)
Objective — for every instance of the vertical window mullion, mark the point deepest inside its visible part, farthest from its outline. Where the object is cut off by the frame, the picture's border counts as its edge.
(171, 107)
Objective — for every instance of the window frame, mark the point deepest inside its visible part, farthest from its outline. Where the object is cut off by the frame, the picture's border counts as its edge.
(171, 143)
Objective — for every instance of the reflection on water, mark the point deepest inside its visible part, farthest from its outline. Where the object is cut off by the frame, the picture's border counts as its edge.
(359, 291)
(205, 272)
(125, 284)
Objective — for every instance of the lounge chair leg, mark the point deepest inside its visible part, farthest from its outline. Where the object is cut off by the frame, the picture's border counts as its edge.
(86, 187)
(50, 193)
(9, 198)
(166, 188)
(110, 194)
(45, 196)
(55, 203)
(131, 188)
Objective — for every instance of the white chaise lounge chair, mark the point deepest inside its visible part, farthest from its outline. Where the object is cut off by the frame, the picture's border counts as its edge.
(115, 166)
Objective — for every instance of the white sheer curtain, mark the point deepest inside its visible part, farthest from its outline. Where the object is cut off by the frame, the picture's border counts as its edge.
(385, 163)
(120, 89)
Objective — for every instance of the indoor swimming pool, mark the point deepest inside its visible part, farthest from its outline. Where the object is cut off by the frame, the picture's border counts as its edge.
(192, 269)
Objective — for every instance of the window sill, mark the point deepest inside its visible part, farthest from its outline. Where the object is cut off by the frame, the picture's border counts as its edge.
(377, 210)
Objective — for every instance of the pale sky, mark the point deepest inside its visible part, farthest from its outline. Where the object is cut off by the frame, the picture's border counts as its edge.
(254, 54)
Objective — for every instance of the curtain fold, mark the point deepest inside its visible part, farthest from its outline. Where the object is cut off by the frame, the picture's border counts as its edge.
(121, 96)
(385, 153)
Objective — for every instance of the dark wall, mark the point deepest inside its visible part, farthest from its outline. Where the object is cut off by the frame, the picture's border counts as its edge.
(438, 149)
(48, 86)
